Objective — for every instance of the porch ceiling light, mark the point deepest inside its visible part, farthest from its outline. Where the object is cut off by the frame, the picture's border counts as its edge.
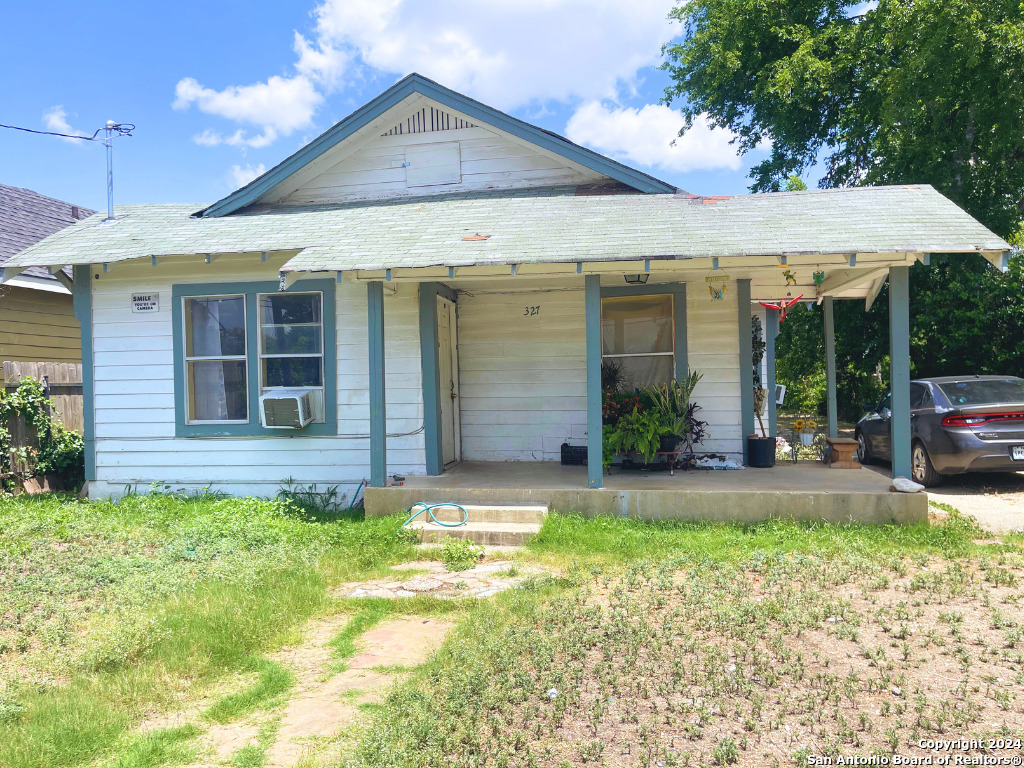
(638, 279)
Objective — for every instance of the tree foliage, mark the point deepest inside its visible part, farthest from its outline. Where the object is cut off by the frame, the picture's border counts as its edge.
(906, 91)
(925, 91)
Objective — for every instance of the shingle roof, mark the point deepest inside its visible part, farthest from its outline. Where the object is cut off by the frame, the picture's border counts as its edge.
(26, 217)
(557, 226)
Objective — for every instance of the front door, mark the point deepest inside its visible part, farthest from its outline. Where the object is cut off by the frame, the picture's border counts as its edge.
(448, 384)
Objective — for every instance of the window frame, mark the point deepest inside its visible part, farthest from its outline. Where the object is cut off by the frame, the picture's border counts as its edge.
(264, 355)
(253, 348)
(207, 358)
(678, 293)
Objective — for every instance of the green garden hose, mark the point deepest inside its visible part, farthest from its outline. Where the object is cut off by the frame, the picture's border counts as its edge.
(429, 509)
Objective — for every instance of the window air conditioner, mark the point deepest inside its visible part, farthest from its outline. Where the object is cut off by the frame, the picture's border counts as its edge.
(286, 408)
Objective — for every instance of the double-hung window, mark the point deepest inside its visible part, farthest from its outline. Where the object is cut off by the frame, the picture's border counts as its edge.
(292, 343)
(638, 333)
(238, 341)
(215, 360)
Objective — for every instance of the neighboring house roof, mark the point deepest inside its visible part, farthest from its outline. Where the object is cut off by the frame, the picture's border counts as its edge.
(26, 217)
(540, 226)
(417, 84)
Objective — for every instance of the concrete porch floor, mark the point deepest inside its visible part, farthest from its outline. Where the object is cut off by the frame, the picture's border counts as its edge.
(805, 491)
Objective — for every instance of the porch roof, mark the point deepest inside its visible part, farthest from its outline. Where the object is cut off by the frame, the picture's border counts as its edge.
(555, 225)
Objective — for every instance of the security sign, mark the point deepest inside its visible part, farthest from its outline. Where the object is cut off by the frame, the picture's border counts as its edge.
(145, 302)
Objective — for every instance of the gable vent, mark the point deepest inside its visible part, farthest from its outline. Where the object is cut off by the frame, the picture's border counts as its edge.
(428, 120)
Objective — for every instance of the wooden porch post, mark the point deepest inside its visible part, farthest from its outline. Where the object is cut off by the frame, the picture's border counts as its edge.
(899, 373)
(746, 363)
(429, 365)
(378, 415)
(830, 368)
(771, 330)
(595, 471)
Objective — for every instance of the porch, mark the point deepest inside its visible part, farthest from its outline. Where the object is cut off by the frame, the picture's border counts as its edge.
(808, 491)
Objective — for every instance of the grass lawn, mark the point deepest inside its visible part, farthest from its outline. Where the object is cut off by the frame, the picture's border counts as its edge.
(654, 645)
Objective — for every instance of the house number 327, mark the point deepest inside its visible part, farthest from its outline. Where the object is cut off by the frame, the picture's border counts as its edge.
(531, 310)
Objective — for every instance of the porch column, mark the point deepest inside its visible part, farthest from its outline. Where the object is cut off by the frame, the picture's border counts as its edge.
(595, 472)
(771, 330)
(899, 372)
(378, 416)
(429, 365)
(830, 368)
(746, 363)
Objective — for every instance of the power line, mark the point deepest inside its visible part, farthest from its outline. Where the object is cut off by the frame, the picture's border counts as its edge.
(123, 129)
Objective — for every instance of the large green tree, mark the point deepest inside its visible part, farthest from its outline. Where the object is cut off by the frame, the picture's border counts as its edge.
(930, 91)
(902, 91)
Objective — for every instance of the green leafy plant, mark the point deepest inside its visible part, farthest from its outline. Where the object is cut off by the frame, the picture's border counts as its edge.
(607, 451)
(460, 554)
(60, 451)
(672, 401)
(640, 432)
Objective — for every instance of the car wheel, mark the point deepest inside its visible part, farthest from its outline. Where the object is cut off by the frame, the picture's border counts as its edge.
(863, 452)
(921, 467)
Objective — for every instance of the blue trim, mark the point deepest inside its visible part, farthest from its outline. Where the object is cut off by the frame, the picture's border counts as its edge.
(430, 368)
(595, 436)
(378, 408)
(771, 331)
(899, 372)
(249, 290)
(678, 291)
(830, 368)
(405, 88)
(746, 358)
(82, 303)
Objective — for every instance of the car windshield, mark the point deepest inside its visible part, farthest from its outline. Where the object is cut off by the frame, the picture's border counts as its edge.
(984, 391)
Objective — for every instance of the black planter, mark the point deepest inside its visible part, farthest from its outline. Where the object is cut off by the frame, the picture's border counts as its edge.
(760, 451)
(668, 443)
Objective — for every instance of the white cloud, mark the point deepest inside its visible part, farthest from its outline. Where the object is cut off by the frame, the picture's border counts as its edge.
(507, 53)
(649, 136)
(242, 175)
(277, 107)
(56, 119)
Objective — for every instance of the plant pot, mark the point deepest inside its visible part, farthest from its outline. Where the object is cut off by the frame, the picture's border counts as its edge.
(760, 451)
(668, 443)
(806, 438)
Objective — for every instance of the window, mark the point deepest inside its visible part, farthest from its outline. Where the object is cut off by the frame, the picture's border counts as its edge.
(234, 342)
(920, 397)
(215, 360)
(292, 342)
(638, 332)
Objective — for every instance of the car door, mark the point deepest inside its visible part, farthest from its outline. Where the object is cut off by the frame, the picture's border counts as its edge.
(880, 438)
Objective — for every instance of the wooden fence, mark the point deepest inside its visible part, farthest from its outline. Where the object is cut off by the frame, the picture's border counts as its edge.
(65, 384)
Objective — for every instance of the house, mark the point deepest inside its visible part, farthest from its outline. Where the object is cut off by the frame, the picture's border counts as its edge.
(37, 323)
(436, 277)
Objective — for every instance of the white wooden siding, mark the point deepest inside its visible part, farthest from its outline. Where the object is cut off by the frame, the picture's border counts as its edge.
(490, 159)
(712, 337)
(134, 401)
(522, 377)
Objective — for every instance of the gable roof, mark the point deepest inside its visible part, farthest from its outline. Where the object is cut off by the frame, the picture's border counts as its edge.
(417, 84)
(26, 217)
(546, 226)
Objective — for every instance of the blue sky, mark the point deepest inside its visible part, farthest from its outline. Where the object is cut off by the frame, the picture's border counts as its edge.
(220, 90)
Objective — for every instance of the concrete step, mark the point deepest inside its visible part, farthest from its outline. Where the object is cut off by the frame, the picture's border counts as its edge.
(491, 513)
(488, 534)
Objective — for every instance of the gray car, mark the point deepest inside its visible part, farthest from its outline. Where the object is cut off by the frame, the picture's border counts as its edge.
(957, 424)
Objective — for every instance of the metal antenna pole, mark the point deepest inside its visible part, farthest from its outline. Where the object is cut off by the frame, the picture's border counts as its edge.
(109, 142)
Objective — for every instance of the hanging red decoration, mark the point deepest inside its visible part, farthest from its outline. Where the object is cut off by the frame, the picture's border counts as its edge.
(782, 307)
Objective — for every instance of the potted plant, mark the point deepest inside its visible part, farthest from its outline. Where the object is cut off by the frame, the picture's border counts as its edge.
(760, 450)
(639, 431)
(672, 401)
(805, 428)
